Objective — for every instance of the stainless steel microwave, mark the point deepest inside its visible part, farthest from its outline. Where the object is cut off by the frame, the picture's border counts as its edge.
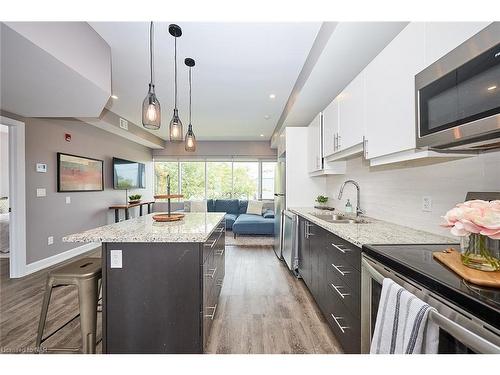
(458, 96)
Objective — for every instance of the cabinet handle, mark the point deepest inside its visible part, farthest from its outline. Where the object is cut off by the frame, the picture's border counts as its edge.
(210, 245)
(213, 272)
(338, 141)
(365, 147)
(211, 316)
(307, 226)
(343, 251)
(343, 273)
(343, 295)
(220, 252)
(335, 142)
(342, 328)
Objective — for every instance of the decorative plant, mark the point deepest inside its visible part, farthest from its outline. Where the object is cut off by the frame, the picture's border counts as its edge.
(134, 197)
(474, 221)
(321, 199)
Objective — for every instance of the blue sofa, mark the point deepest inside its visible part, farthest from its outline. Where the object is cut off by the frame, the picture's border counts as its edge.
(239, 221)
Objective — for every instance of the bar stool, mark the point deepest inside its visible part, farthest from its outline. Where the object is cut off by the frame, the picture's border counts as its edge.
(86, 275)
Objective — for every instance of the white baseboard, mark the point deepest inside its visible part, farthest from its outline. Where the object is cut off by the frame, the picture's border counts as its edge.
(58, 258)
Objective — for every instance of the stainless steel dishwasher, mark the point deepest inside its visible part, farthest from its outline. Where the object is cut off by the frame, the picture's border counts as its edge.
(290, 241)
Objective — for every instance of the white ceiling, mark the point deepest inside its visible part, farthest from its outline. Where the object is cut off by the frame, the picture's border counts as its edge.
(237, 66)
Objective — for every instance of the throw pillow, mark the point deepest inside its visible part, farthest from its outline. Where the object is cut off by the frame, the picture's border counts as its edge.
(198, 206)
(254, 208)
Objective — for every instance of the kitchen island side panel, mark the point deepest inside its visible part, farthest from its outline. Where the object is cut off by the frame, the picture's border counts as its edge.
(152, 303)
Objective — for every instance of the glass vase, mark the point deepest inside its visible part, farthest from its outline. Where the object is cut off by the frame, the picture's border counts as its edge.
(480, 252)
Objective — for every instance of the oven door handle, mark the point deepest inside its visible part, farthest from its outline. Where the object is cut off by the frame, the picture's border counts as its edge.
(468, 338)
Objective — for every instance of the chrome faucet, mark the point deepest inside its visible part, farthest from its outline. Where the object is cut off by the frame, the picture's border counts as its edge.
(359, 211)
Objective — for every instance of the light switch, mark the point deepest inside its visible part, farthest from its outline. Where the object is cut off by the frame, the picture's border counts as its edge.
(50, 240)
(41, 192)
(427, 204)
(68, 200)
(116, 258)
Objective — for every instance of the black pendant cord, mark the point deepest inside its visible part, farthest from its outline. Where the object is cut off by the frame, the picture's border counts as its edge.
(151, 57)
(175, 71)
(190, 96)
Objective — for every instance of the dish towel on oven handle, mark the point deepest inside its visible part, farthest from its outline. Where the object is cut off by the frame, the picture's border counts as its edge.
(402, 325)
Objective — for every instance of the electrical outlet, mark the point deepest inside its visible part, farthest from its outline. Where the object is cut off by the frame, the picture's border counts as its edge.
(116, 259)
(41, 192)
(68, 200)
(427, 204)
(50, 240)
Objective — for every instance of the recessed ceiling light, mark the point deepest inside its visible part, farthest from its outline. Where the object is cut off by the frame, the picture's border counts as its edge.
(114, 97)
(267, 117)
(262, 135)
(272, 96)
(492, 88)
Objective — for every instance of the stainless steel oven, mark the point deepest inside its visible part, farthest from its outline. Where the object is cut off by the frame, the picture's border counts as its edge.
(458, 96)
(460, 331)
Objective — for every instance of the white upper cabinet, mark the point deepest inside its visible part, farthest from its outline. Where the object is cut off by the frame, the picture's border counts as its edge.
(352, 113)
(314, 152)
(442, 37)
(390, 93)
(330, 127)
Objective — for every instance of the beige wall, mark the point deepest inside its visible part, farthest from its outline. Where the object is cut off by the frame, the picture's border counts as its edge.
(394, 192)
(50, 215)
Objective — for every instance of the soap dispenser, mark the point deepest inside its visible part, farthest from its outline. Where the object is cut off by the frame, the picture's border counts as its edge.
(348, 207)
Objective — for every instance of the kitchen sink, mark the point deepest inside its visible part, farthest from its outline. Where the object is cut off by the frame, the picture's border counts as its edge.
(339, 219)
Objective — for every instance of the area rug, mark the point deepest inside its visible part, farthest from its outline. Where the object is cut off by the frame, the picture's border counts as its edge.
(248, 240)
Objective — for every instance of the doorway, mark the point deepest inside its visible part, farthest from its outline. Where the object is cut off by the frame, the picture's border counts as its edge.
(4, 192)
(13, 196)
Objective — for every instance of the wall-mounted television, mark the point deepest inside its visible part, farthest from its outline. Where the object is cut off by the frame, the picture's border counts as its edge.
(128, 174)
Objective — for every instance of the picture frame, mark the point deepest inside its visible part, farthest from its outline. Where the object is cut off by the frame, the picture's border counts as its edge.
(79, 173)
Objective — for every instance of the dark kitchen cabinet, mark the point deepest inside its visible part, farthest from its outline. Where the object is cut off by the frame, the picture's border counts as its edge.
(330, 267)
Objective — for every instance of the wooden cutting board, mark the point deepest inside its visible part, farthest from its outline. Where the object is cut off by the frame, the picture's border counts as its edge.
(451, 259)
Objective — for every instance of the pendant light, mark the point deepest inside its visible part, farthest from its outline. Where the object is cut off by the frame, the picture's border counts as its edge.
(175, 130)
(190, 140)
(151, 112)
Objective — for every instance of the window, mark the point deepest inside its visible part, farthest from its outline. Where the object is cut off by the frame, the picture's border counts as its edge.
(246, 180)
(162, 169)
(219, 179)
(216, 179)
(193, 180)
(268, 179)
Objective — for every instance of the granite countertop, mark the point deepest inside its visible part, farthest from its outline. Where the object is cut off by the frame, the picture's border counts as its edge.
(372, 231)
(194, 227)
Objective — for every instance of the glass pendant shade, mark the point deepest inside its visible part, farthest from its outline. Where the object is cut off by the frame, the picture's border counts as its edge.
(190, 141)
(176, 132)
(151, 111)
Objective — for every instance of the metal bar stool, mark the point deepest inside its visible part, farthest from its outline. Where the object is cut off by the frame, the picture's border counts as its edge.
(86, 275)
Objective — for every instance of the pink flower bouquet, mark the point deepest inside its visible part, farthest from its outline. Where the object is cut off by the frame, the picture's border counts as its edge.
(476, 216)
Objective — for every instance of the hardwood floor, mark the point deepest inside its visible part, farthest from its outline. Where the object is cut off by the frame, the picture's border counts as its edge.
(262, 309)
(265, 309)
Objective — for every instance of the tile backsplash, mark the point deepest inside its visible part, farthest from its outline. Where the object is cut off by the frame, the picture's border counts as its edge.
(395, 192)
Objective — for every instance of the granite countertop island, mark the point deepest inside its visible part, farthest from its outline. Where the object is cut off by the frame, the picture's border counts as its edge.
(372, 231)
(160, 282)
(194, 227)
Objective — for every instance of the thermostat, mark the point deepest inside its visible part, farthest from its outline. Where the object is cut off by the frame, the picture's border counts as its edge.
(41, 167)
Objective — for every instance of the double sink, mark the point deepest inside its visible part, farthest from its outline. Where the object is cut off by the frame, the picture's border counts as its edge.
(339, 219)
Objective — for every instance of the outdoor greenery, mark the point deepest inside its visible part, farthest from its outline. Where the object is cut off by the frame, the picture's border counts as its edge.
(224, 179)
(134, 197)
